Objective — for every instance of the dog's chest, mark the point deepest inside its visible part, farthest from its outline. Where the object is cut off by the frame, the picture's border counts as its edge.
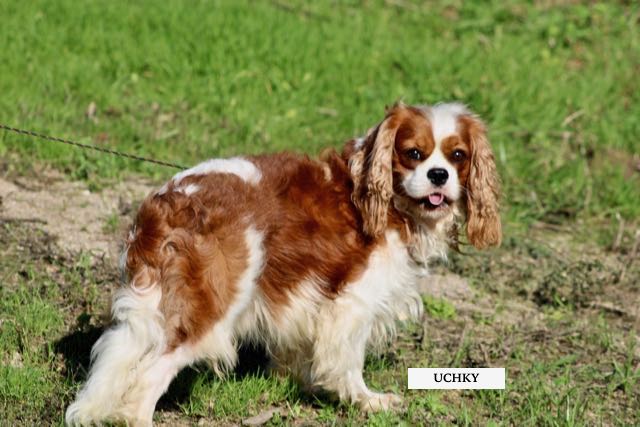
(390, 276)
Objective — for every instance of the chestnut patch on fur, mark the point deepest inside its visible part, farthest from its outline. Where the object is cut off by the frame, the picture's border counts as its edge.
(312, 230)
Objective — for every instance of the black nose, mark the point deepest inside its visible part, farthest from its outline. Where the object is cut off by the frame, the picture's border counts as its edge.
(438, 176)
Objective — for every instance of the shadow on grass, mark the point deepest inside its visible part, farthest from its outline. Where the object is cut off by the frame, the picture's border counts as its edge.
(252, 361)
(76, 349)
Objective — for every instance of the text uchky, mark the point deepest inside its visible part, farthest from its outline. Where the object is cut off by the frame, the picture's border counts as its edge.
(456, 378)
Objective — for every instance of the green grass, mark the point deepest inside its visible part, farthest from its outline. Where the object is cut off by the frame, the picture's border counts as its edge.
(438, 307)
(184, 81)
(187, 80)
(29, 382)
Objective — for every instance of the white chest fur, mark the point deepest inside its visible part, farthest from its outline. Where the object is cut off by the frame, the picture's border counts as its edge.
(387, 291)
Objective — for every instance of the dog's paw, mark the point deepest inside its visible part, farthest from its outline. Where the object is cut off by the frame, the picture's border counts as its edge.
(380, 402)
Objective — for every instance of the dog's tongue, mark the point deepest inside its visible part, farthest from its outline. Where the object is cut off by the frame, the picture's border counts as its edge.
(436, 199)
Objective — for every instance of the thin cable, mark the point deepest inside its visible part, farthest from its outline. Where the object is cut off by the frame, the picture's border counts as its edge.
(91, 147)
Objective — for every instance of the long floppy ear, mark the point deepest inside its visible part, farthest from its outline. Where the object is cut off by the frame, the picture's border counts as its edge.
(483, 188)
(371, 169)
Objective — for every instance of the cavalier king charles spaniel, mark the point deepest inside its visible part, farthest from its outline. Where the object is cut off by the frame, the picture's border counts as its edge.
(316, 260)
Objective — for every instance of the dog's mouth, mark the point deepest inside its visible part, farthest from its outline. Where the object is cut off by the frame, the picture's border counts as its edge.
(434, 201)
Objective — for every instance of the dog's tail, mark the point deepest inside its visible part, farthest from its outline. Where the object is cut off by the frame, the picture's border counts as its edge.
(120, 356)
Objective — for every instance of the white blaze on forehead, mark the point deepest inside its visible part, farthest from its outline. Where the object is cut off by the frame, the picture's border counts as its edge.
(444, 119)
(238, 166)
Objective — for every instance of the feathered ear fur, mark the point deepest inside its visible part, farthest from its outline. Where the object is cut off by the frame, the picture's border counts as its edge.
(483, 188)
(371, 169)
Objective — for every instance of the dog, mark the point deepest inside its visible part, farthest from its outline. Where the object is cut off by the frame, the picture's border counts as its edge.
(315, 259)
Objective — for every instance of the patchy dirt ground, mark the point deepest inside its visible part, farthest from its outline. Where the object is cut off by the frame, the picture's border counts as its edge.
(80, 220)
(547, 301)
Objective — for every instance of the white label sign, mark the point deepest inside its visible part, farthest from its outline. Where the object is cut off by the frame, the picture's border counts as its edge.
(457, 378)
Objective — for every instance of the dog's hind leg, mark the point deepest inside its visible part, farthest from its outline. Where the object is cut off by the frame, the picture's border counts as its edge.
(141, 400)
(120, 358)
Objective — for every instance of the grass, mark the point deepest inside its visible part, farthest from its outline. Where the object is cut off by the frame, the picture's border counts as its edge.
(183, 81)
(438, 307)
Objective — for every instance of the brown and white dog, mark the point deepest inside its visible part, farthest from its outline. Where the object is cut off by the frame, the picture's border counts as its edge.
(314, 259)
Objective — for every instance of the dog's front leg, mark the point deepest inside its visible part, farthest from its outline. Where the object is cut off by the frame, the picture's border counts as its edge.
(339, 352)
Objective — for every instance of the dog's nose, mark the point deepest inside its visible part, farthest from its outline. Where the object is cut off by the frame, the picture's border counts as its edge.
(438, 176)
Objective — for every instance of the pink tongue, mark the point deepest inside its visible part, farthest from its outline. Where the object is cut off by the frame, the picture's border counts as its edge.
(436, 199)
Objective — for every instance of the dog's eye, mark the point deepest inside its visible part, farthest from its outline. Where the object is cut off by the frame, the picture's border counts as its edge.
(413, 154)
(458, 156)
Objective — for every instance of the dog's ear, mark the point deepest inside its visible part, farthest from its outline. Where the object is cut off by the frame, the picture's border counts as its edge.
(483, 187)
(371, 169)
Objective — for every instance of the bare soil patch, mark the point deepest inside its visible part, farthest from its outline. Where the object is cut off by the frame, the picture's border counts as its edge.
(77, 218)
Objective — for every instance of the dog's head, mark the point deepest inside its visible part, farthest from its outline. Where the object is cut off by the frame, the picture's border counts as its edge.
(430, 162)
